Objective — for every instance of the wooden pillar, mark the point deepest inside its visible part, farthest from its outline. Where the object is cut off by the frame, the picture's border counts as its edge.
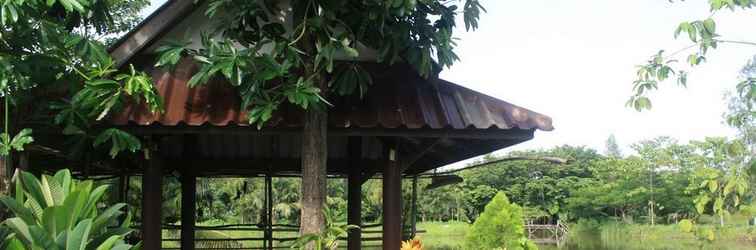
(188, 209)
(392, 201)
(152, 190)
(354, 193)
(269, 211)
(23, 161)
(123, 187)
(413, 219)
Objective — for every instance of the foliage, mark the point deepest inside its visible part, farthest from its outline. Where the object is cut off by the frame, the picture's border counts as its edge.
(328, 239)
(57, 212)
(51, 47)
(474, 200)
(703, 235)
(612, 148)
(17, 143)
(270, 63)
(536, 184)
(704, 37)
(718, 192)
(500, 225)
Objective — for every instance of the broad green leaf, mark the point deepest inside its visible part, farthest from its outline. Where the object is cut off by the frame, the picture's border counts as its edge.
(21, 229)
(18, 209)
(33, 188)
(108, 244)
(78, 237)
(107, 216)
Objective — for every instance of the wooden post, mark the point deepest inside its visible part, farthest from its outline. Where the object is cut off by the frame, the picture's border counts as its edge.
(413, 219)
(269, 211)
(23, 161)
(152, 200)
(354, 193)
(392, 201)
(123, 187)
(188, 208)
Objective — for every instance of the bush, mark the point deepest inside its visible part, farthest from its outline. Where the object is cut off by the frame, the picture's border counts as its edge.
(499, 226)
(57, 212)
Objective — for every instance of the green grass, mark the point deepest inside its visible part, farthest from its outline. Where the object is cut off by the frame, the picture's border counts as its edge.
(607, 236)
(611, 236)
(443, 235)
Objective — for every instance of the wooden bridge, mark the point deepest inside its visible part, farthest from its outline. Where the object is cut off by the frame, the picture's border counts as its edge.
(554, 234)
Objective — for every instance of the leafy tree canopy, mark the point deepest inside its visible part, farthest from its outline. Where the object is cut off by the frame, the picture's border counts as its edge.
(51, 63)
(271, 61)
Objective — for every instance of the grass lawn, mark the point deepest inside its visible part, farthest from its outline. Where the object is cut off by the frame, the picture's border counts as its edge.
(443, 235)
(609, 236)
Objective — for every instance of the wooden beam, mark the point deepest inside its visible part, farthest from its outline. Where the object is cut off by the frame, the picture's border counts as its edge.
(261, 166)
(152, 200)
(392, 200)
(425, 148)
(484, 134)
(354, 192)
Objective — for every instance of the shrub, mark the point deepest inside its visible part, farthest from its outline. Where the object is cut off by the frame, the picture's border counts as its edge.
(57, 212)
(499, 226)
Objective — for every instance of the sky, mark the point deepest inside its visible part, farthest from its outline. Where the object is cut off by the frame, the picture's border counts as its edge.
(574, 60)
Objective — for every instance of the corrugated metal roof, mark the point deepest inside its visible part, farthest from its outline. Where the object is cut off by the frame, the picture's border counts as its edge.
(399, 98)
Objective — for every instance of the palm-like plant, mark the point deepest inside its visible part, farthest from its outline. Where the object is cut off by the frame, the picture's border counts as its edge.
(57, 212)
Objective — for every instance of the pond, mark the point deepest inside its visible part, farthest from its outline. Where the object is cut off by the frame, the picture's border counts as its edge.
(656, 238)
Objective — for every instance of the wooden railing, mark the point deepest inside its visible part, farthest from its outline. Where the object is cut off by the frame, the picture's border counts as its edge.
(547, 233)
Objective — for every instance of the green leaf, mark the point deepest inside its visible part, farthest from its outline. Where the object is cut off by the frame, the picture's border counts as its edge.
(21, 229)
(34, 188)
(107, 216)
(713, 185)
(17, 143)
(710, 26)
(119, 140)
(77, 239)
(108, 244)
(18, 209)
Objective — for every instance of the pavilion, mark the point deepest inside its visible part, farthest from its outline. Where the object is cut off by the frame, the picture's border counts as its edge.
(406, 125)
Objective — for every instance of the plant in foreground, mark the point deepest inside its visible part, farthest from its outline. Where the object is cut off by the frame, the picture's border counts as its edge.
(500, 225)
(328, 238)
(413, 244)
(704, 236)
(58, 212)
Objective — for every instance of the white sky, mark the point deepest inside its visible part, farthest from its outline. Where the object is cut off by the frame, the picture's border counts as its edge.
(574, 60)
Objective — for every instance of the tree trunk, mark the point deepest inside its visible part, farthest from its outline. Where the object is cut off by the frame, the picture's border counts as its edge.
(314, 157)
(721, 220)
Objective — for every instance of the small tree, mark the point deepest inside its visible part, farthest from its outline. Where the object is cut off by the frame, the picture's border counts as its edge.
(500, 225)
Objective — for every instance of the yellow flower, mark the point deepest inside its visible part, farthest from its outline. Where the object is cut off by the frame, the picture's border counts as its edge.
(413, 244)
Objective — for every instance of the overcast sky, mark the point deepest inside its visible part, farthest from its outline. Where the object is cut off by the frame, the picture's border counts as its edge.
(574, 60)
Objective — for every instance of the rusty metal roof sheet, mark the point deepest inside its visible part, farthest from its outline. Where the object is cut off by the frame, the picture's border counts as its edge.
(399, 98)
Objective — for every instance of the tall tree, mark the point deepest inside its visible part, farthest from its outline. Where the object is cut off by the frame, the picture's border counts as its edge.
(310, 53)
(741, 115)
(51, 63)
(612, 148)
